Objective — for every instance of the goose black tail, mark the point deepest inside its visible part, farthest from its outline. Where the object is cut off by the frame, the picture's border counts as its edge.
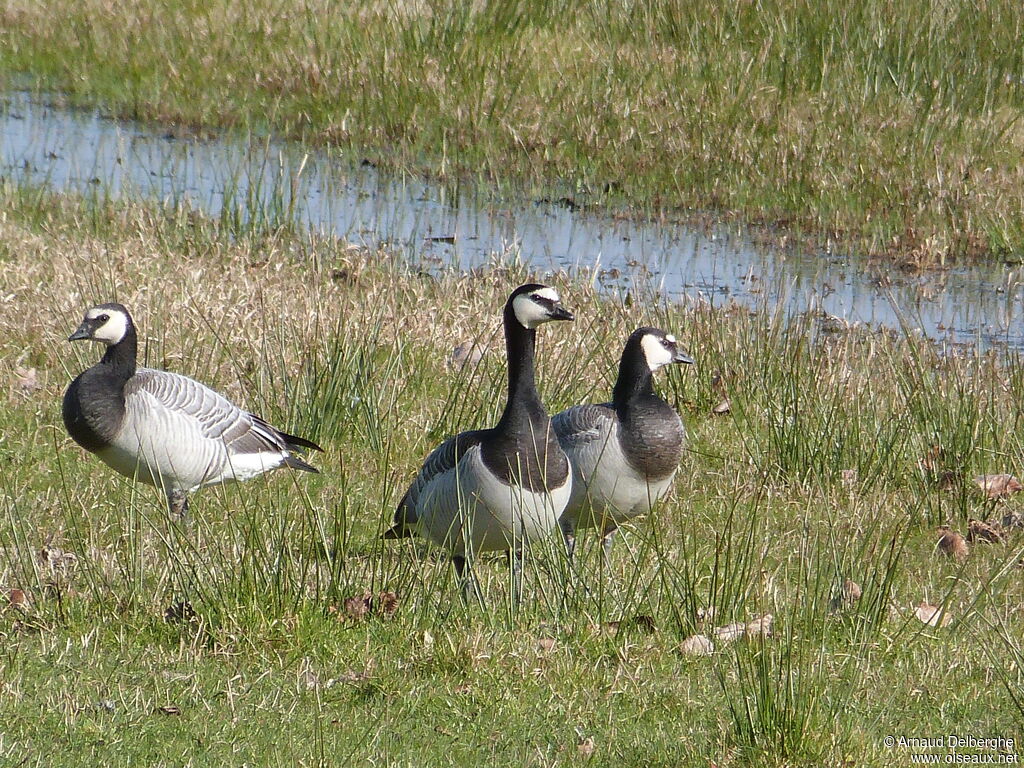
(397, 531)
(296, 463)
(294, 441)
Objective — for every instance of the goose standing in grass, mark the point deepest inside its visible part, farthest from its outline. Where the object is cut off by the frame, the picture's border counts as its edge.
(624, 453)
(163, 428)
(496, 489)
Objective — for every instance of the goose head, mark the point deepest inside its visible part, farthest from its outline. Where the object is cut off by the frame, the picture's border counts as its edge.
(659, 348)
(533, 304)
(106, 323)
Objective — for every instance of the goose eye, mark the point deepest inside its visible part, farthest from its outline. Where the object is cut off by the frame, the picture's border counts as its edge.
(103, 318)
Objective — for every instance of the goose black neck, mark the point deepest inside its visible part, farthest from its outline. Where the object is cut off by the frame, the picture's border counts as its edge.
(120, 358)
(523, 399)
(634, 381)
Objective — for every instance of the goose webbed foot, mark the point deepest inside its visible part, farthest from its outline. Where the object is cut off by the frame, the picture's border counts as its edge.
(569, 536)
(470, 587)
(177, 506)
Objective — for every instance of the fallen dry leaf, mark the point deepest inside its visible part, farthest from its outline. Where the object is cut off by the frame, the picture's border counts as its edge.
(17, 598)
(466, 353)
(387, 603)
(722, 408)
(1013, 520)
(978, 530)
(697, 645)
(951, 543)
(730, 632)
(26, 379)
(169, 709)
(362, 605)
(760, 628)
(932, 615)
(586, 747)
(998, 486)
(705, 615)
(849, 592)
(546, 644)
(358, 606)
(180, 612)
(641, 623)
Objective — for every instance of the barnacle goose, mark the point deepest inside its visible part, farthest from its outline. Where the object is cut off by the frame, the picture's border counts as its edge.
(499, 488)
(163, 428)
(624, 454)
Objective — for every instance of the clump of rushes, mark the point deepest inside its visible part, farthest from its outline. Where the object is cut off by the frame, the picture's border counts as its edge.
(281, 600)
(828, 120)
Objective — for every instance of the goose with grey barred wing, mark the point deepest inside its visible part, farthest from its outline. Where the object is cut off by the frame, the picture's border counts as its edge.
(625, 453)
(163, 428)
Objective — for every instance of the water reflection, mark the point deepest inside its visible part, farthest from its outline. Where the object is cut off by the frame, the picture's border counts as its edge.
(80, 151)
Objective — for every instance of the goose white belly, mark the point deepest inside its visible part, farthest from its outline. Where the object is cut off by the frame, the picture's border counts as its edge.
(468, 508)
(606, 487)
(170, 451)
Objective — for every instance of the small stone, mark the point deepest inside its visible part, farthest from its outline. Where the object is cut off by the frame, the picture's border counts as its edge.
(722, 408)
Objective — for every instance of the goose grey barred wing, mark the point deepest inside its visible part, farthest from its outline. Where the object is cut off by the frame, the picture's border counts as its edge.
(583, 424)
(442, 459)
(214, 416)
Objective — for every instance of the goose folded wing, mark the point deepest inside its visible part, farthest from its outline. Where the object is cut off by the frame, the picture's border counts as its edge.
(442, 459)
(583, 424)
(212, 416)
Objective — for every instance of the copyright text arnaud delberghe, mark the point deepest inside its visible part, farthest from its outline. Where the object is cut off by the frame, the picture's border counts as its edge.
(958, 749)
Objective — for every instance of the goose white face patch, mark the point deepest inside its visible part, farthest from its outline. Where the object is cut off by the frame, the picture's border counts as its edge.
(655, 352)
(113, 330)
(531, 313)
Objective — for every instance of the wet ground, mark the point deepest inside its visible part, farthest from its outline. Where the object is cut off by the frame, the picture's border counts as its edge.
(81, 151)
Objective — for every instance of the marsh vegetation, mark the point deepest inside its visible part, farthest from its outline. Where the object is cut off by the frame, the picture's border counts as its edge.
(873, 126)
(279, 629)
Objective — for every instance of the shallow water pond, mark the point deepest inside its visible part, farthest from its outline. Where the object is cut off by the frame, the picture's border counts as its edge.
(81, 151)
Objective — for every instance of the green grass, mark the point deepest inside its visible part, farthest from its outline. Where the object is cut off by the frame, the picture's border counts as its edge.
(350, 348)
(886, 127)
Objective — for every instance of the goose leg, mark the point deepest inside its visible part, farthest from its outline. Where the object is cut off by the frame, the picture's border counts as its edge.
(516, 555)
(470, 588)
(606, 544)
(569, 535)
(177, 503)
